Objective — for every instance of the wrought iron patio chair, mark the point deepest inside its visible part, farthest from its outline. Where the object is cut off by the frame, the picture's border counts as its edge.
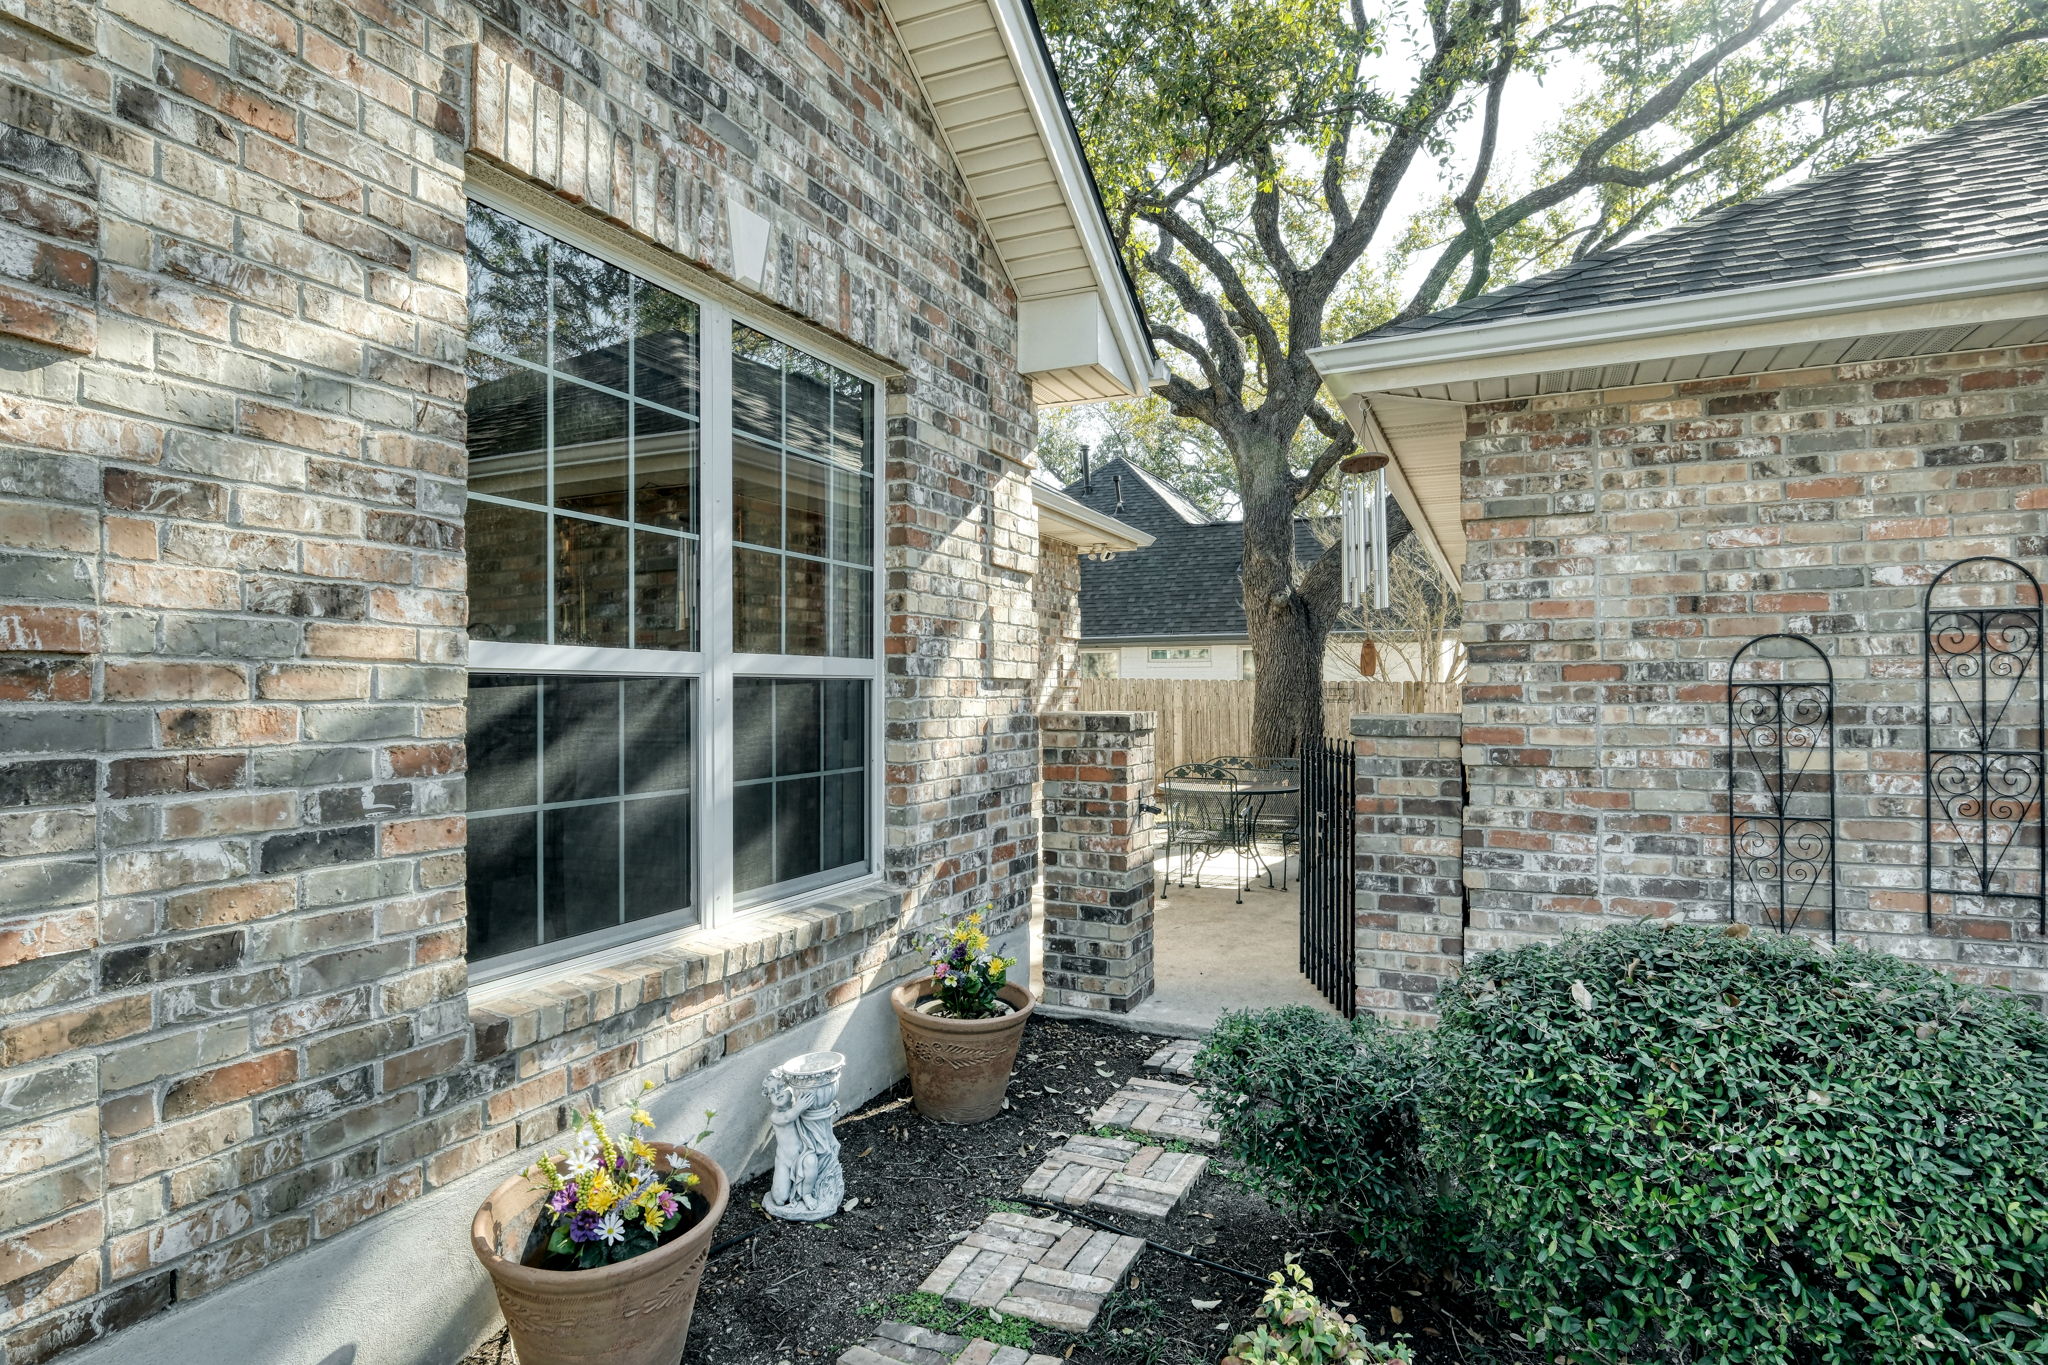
(1202, 817)
(1276, 818)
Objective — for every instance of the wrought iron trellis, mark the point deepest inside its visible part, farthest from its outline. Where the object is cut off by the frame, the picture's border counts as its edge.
(1982, 669)
(1783, 847)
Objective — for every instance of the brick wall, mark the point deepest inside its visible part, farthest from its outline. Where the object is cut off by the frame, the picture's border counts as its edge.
(1098, 858)
(1409, 851)
(1623, 546)
(1056, 605)
(237, 1018)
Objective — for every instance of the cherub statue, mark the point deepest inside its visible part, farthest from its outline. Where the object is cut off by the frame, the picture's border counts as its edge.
(803, 1095)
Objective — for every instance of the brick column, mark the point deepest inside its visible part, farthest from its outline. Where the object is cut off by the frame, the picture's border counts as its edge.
(1098, 858)
(1410, 865)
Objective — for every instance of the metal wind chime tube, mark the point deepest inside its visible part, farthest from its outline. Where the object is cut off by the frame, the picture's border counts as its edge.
(1362, 529)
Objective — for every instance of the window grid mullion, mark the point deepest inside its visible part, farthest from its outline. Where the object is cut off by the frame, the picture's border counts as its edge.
(717, 663)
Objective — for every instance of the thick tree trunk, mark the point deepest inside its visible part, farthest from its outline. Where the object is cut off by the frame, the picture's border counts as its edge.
(1289, 628)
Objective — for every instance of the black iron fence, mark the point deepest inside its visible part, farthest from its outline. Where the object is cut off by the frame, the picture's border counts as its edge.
(1329, 879)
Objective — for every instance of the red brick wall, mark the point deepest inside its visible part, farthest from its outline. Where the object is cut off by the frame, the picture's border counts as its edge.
(236, 1014)
(1623, 546)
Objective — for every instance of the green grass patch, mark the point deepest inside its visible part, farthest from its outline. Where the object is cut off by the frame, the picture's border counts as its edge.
(935, 1314)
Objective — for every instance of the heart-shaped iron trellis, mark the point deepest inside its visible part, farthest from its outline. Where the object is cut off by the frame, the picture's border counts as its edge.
(1781, 791)
(1984, 730)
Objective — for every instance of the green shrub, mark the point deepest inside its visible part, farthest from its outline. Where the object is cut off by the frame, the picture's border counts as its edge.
(1321, 1116)
(1671, 1142)
(1297, 1328)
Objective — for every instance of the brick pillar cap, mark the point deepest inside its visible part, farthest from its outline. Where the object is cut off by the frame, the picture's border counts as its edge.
(1430, 726)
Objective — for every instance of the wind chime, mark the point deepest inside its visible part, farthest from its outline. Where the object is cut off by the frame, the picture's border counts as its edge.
(1362, 537)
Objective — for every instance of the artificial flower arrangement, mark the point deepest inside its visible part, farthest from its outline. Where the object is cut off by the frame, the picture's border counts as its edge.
(609, 1201)
(966, 976)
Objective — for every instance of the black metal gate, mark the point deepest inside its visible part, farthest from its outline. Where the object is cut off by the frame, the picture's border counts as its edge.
(1329, 880)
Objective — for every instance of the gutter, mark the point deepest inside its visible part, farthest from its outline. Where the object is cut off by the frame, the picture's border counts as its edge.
(1489, 350)
(1065, 518)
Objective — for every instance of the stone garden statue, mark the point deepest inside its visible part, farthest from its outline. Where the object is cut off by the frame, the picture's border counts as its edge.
(804, 1097)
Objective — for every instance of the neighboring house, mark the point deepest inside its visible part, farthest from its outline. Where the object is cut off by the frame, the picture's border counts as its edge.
(1175, 609)
(521, 579)
(1789, 415)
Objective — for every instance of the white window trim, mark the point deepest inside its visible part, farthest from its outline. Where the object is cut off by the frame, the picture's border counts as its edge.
(717, 909)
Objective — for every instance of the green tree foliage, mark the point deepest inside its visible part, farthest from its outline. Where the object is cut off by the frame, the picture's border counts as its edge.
(1285, 173)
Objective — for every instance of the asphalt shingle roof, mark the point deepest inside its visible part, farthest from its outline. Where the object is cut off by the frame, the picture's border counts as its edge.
(1973, 189)
(1186, 582)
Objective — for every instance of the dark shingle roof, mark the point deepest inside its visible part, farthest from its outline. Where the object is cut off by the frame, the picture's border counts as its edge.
(1186, 582)
(1973, 189)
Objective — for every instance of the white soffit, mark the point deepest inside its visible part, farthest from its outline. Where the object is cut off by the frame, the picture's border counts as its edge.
(999, 108)
(1073, 522)
(1406, 393)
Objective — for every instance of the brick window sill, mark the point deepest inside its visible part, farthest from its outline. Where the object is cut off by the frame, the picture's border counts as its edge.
(687, 967)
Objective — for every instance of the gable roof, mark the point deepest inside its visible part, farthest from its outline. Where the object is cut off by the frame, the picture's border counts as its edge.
(1971, 190)
(989, 80)
(1185, 584)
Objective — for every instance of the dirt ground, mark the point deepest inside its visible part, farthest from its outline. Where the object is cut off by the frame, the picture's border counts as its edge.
(799, 1294)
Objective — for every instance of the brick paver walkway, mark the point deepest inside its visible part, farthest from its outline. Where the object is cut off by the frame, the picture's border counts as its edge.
(1177, 1058)
(1043, 1269)
(1161, 1109)
(1116, 1175)
(899, 1343)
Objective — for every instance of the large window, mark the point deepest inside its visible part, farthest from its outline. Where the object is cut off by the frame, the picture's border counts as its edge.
(671, 538)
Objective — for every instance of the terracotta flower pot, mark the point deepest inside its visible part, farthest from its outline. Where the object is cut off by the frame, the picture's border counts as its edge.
(959, 1068)
(636, 1312)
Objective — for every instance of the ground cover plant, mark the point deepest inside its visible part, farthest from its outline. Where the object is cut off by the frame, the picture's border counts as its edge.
(1676, 1142)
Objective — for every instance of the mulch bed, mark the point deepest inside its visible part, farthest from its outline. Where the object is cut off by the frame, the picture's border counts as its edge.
(799, 1294)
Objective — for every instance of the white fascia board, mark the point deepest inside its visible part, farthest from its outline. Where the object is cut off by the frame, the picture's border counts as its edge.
(1070, 169)
(1065, 518)
(1864, 303)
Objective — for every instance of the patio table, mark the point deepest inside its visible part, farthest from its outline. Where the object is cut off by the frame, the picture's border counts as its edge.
(1249, 805)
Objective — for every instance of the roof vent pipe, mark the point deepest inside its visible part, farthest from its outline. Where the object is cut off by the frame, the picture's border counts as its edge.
(1087, 475)
(1118, 479)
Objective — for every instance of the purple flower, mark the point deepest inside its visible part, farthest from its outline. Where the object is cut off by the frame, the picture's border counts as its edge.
(564, 1199)
(667, 1204)
(583, 1227)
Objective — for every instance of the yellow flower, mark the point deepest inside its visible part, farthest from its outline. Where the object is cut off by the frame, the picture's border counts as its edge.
(646, 1086)
(643, 1118)
(641, 1150)
(599, 1193)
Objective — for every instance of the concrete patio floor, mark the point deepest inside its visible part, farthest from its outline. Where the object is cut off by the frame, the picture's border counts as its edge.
(1210, 954)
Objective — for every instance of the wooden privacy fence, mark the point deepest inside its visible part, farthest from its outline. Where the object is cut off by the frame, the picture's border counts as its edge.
(1201, 720)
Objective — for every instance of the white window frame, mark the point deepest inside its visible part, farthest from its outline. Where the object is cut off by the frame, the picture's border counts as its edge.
(1181, 654)
(1115, 657)
(714, 664)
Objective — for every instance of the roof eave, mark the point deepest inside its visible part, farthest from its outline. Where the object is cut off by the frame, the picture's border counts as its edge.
(1136, 368)
(1765, 315)
(1067, 519)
